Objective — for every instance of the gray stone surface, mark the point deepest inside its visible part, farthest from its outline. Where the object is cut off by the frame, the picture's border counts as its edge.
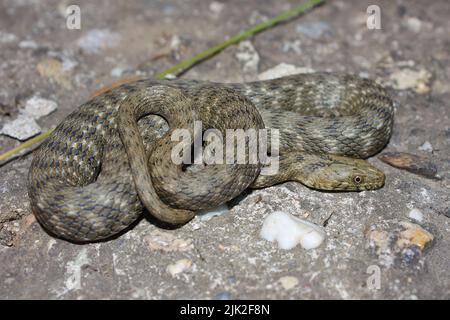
(224, 257)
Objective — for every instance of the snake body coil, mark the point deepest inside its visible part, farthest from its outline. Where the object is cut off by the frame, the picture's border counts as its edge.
(110, 158)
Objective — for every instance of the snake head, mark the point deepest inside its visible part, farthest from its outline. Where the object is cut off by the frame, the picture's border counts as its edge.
(346, 174)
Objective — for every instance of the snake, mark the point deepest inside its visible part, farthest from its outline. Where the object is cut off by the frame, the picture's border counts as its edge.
(111, 161)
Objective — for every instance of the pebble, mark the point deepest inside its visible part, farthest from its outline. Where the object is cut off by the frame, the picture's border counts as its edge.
(7, 37)
(426, 147)
(289, 231)
(21, 128)
(416, 214)
(398, 242)
(28, 44)
(313, 30)
(414, 24)
(25, 125)
(216, 7)
(294, 46)
(117, 72)
(410, 162)
(413, 235)
(405, 79)
(206, 215)
(248, 56)
(175, 42)
(282, 70)
(179, 267)
(55, 70)
(167, 242)
(288, 282)
(37, 107)
(97, 39)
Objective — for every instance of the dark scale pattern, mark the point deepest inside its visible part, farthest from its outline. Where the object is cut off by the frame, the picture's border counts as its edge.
(111, 157)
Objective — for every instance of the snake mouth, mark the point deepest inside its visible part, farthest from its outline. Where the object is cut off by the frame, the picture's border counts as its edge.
(372, 186)
(375, 182)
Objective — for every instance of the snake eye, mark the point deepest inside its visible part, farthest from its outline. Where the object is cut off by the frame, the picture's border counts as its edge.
(357, 179)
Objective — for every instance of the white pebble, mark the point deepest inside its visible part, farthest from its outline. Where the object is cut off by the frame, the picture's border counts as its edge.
(205, 215)
(37, 107)
(28, 44)
(119, 71)
(216, 7)
(25, 126)
(179, 267)
(289, 231)
(405, 79)
(175, 42)
(22, 128)
(7, 37)
(97, 39)
(288, 282)
(414, 24)
(248, 56)
(416, 214)
(426, 147)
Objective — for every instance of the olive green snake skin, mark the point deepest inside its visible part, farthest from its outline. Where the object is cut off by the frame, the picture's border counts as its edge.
(111, 158)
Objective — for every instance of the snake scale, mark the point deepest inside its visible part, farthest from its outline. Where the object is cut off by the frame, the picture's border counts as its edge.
(110, 158)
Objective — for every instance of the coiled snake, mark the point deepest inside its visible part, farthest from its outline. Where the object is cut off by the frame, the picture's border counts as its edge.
(111, 157)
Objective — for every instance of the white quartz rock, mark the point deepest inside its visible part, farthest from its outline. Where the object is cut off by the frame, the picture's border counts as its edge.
(289, 231)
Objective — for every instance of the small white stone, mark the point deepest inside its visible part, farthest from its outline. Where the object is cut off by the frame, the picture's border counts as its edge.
(216, 7)
(405, 79)
(170, 76)
(426, 147)
(22, 128)
(175, 42)
(248, 56)
(97, 39)
(283, 70)
(414, 24)
(179, 267)
(289, 231)
(7, 37)
(288, 282)
(195, 225)
(167, 242)
(28, 44)
(205, 215)
(295, 46)
(416, 214)
(119, 71)
(37, 107)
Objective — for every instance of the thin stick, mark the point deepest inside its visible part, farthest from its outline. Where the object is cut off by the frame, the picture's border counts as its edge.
(25, 144)
(241, 36)
(183, 65)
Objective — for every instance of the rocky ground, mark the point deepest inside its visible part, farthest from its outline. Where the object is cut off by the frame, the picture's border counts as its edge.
(400, 232)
